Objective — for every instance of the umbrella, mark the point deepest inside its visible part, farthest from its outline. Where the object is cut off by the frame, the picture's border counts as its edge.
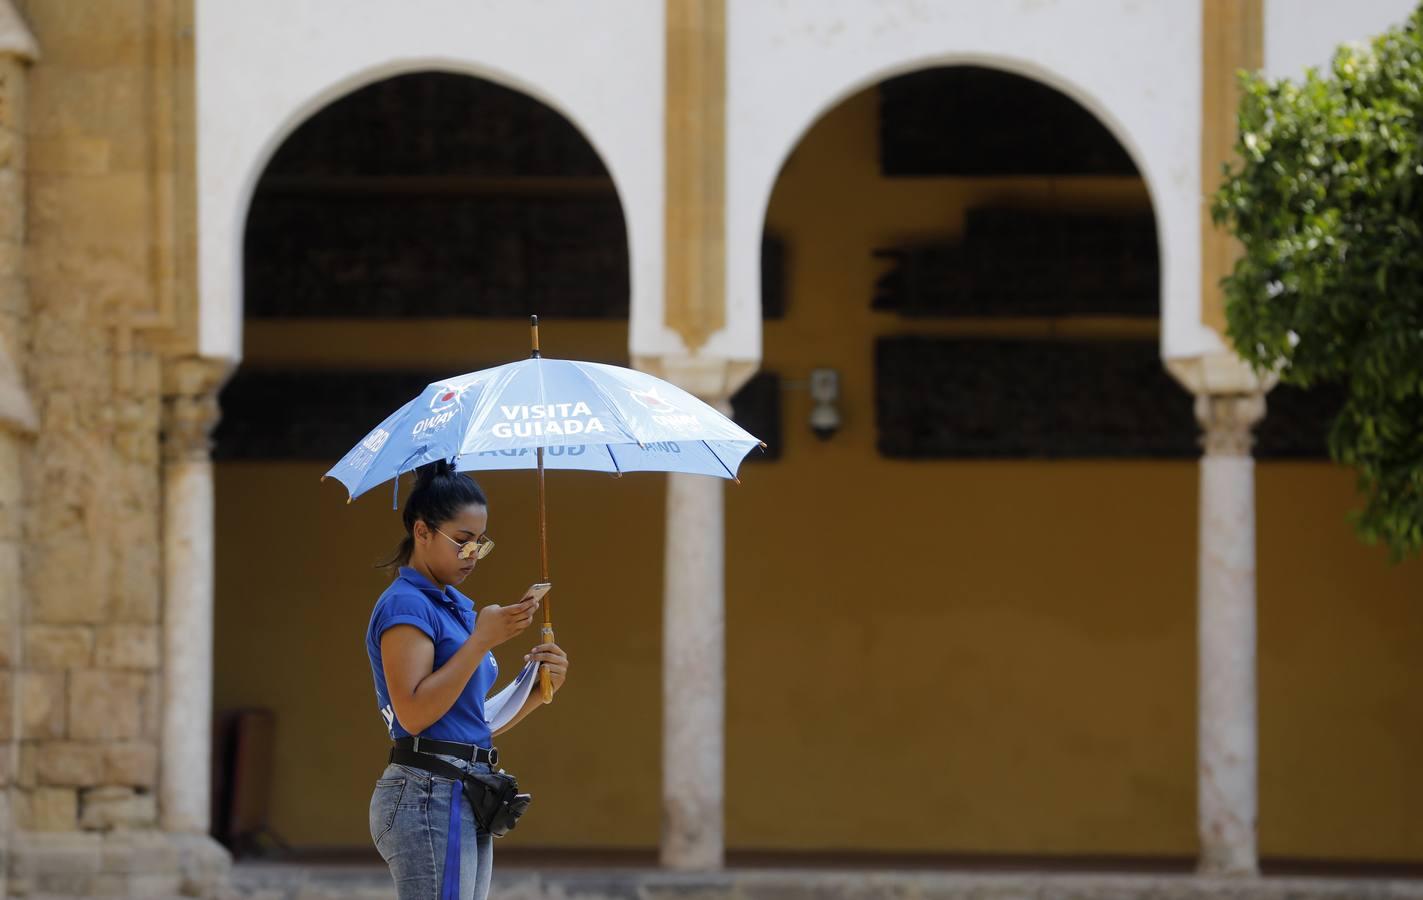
(549, 414)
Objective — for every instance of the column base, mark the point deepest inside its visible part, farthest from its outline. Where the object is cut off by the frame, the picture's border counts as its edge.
(151, 864)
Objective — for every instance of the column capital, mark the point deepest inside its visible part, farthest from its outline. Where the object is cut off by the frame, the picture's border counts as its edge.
(1230, 398)
(712, 378)
(1227, 420)
(190, 410)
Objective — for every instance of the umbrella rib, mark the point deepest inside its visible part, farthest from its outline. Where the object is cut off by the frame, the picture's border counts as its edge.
(612, 457)
(717, 456)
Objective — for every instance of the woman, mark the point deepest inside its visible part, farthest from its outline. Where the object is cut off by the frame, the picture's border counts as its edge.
(431, 661)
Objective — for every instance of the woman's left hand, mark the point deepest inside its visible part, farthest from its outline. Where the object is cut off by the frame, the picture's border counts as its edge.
(554, 660)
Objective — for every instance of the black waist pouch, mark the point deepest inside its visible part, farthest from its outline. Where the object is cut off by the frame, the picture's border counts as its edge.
(496, 801)
(493, 796)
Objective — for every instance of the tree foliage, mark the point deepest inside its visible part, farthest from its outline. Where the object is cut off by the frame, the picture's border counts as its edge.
(1326, 202)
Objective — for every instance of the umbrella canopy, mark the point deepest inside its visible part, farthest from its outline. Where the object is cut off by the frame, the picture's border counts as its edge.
(585, 415)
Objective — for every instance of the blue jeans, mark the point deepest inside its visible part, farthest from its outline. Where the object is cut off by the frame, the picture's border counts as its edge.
(410, 819)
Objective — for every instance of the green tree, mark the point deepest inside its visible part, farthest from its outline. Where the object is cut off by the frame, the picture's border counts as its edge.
(1326, 203)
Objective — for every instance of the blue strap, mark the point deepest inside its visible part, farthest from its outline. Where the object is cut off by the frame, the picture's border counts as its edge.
(450, 889)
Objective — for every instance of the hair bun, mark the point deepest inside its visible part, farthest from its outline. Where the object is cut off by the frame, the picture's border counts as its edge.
(430, 472)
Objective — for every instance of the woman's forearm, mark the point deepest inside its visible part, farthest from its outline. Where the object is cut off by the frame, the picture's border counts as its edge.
(439, 690)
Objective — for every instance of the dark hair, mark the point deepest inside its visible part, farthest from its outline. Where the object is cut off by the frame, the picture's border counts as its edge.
(440, 493)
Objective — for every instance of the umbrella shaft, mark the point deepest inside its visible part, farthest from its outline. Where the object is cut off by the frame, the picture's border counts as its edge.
(543, 538)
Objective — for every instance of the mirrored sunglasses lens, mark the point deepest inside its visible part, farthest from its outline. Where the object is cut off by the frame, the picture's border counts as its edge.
(485, 548)
(470, 551)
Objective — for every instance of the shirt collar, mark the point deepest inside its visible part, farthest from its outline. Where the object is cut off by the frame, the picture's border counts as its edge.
(448, 596)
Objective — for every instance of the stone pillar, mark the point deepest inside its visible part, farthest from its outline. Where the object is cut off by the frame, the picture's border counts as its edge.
(1230, 401)
(1227, 745)
(693, 675)
(694, 637)
(694, 307)
(190, 413)
(18, 421)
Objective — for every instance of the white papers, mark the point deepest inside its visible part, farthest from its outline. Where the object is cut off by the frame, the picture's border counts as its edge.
(501, 709)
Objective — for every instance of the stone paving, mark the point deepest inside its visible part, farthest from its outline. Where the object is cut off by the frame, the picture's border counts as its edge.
(266, 881)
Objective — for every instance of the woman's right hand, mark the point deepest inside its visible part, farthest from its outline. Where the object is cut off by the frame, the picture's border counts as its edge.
(497, 624)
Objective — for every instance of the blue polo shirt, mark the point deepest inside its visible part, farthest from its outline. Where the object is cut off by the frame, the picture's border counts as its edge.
(447, 618)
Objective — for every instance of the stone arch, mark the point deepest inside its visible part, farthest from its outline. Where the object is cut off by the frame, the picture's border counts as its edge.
(221, 294)
(836, 95)
(1173, 192)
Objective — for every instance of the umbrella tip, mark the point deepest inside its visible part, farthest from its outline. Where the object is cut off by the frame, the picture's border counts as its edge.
(323, 479)
(534, 321)
(349, 499)
(763, 445)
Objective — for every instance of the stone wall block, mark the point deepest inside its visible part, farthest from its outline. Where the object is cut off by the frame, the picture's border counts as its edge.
(108, 808)
(130, 763)
(11, 491)
(136, 598)
(106, 705)
(127, 647)
(66, 583)
(12, 153)
(7, 697)
(138, 852)
(10, 145)
(48, 809)
(152, 707)
(12, 214)
(25, 776)
(52, 647)
(158, 887)
(13, 110)
(69, 155)
(67, 763)
(12, 585)
(11, 254)
(42, 707)
(40, 856)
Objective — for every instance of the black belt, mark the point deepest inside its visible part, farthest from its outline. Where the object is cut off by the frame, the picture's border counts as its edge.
(467, 752)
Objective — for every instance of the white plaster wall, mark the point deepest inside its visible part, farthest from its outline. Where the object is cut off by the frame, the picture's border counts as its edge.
(1304, 33)
(264, 66)
(1134, 63)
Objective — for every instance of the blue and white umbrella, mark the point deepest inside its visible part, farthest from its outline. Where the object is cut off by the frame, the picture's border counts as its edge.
(584, 415)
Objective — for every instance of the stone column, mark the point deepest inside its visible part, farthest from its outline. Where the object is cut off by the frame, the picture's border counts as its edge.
(1227, 745)
(694, 637)
(694, 307)
(693, 675)
(190, 413)
(1230, 401)
(18, 421)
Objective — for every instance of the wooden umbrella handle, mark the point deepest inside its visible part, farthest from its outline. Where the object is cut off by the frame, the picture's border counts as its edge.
(545, 682)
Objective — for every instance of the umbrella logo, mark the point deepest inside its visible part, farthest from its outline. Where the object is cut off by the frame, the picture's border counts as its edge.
(650, 400)
(446, 400)
(376, 440)
(447, 396)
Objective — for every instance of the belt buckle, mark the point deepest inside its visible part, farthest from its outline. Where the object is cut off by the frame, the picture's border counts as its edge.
(493, 756)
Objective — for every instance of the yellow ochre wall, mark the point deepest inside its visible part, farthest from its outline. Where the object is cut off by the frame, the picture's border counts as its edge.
(946, 657)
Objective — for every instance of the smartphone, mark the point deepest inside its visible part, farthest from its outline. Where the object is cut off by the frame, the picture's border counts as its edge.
(537, 591)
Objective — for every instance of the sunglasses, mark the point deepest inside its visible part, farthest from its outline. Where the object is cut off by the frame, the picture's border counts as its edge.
(476, 549)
